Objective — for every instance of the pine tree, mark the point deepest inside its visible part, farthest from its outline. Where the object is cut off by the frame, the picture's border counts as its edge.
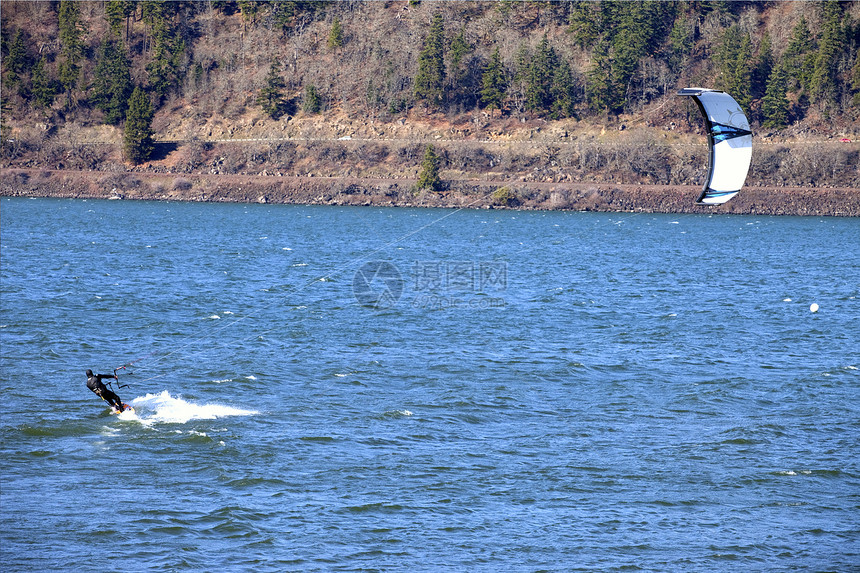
(493, 83)
(518, 84)
(115, 12)
(763, 67)
(680, 43)
(460, 48)
(562, 92)
(628, 31)
(112, 84)
(584, 22)
(629, 43)
(800, 57)
(42, 86)
(428, 178)
(541, 72)
(71, 47)
(598, 84)
(137, 137)
(167, 50)
(16, 61)
(457, 69)
(824, 82)
(735, 57)
(4, 113)
(271, 97)
(312, 101)
(249, 10)
(429, 82)
(774, 105)
(855, 79)
(637, 29)
(335, 36)
(284, 13)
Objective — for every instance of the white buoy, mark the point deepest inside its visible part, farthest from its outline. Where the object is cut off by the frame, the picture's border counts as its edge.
(813, 307)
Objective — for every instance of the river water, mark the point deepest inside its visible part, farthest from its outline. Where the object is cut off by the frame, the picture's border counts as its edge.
(351, 389)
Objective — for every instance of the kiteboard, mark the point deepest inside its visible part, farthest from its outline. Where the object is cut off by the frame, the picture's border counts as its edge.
(125, 408)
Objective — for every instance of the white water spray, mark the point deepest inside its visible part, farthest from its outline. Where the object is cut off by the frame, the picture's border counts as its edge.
(167, 409)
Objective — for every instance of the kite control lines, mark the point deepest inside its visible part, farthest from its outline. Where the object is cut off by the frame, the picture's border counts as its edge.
(116, 376)
(125, 367)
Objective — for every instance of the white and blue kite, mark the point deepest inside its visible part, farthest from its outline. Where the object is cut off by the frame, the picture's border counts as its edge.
(729, 143)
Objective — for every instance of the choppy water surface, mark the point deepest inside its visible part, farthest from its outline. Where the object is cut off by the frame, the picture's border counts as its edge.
(322, 388)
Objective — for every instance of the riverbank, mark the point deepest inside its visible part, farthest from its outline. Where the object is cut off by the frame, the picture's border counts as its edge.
(401, 192)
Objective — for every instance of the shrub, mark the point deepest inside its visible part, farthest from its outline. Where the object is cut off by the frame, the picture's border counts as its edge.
(505, 197)
(428, 178)
(181, 184)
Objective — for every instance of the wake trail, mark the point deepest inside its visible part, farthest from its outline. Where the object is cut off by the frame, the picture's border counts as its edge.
(164, 408)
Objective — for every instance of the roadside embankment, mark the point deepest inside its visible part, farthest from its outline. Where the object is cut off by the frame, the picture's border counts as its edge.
(311, 190)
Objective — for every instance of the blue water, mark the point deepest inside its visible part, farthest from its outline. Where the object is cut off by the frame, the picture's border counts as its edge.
(350, 389)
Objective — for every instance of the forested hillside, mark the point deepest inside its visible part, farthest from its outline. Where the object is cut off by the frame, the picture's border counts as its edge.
(126, 75)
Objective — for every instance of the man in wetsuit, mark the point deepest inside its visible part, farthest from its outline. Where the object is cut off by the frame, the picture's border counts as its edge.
(94, 383)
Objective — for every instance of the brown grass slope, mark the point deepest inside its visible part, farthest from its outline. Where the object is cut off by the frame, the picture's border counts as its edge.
(366, 145)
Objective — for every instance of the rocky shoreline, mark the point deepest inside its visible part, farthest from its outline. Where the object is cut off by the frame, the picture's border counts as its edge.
(310, 190)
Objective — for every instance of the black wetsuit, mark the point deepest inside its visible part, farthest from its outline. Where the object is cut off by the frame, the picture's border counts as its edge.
(94, 383)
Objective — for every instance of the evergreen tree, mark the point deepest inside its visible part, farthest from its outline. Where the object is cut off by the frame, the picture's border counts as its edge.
(284, 13)
(112, 84)
(312, 102)
(562, 91)
(584, 22)
(518, 84)
(774, 105)
(735, 56)
(598, 79)
(42, 86)
(855, 79)
(335, 36)
(824, 82)
(4, 113)
(522, 63)
(541, 72)
(71, 47)
(271, 97)
(372, 98)
(460, 48)
(167, 49)
(680, 43)
(493, 84)
(249, 10)
(137, 136)
(637, 30)
(429, 82)
(115, 12)
(428, 178)
(800, 57)
(458, 71)
(16, 60)
(629, 43)
(763, 67)
(628, 31)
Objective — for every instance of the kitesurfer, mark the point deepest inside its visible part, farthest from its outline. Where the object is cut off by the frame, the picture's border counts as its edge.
(94, 383)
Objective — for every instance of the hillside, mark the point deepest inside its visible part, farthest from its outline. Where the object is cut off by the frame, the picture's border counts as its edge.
(583, 96)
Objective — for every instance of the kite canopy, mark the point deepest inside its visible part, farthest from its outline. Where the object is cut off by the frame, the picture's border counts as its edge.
(729, 141)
